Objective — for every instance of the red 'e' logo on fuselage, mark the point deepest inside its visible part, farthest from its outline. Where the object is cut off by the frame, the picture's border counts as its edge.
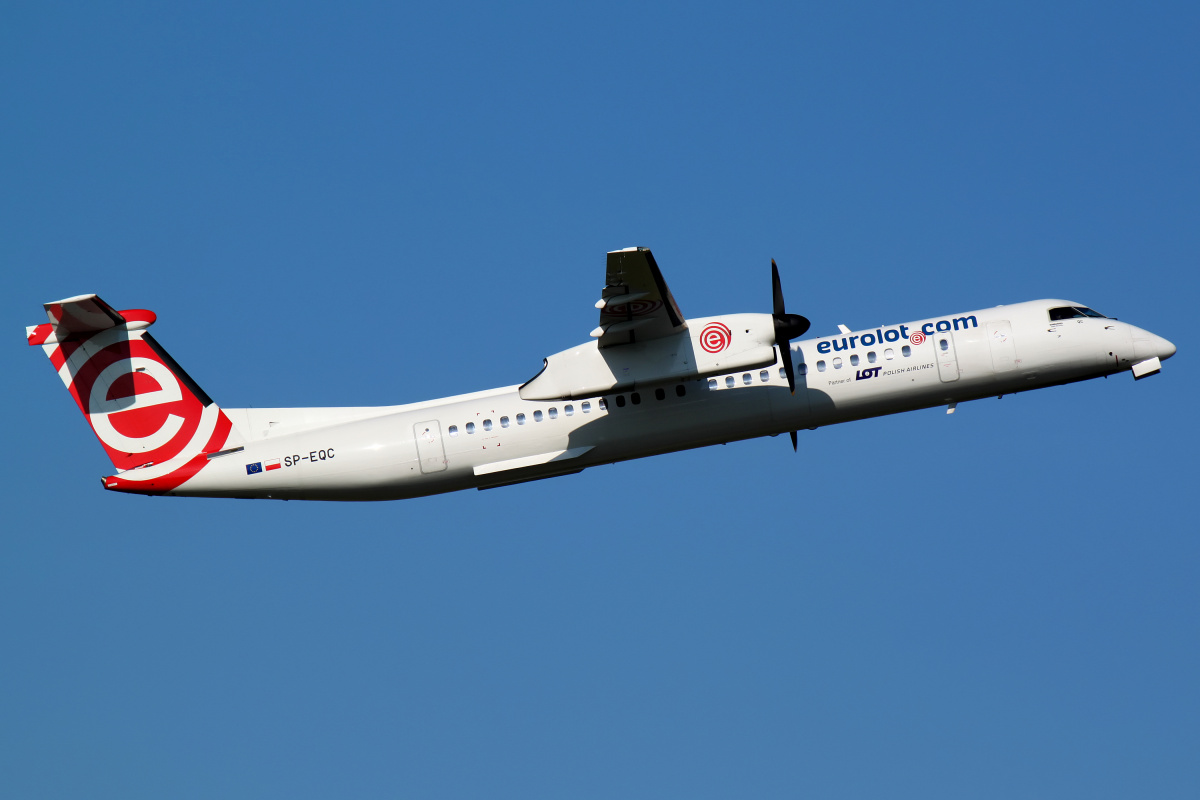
(715, 337)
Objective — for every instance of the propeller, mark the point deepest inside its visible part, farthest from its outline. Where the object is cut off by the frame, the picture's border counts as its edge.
(787, 327)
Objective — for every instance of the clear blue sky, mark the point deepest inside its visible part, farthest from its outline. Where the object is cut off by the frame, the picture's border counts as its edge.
(353, 204)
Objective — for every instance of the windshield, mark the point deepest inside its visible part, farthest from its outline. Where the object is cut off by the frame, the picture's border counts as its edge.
(1074, 312)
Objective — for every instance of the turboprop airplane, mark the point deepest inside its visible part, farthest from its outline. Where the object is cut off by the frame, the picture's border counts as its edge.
(648, 382)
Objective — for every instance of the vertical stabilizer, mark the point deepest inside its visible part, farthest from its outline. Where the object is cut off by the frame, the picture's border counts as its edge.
(155, 423)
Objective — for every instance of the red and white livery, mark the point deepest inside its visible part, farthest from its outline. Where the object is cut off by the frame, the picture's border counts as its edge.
(649, 381)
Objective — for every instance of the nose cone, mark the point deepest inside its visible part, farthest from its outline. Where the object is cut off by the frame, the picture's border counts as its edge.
(1148, 345)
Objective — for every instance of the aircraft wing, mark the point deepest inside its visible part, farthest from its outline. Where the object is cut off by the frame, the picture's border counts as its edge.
(636, 304)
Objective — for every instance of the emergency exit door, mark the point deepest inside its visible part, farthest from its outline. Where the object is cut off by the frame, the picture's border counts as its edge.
(947, 360)
(430, 452)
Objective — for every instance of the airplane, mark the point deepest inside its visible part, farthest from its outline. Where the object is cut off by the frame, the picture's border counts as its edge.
(649, 381)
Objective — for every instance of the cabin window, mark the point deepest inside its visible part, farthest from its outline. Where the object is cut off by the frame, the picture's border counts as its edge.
(889, 354)
(802, 369)
(854, 360)
(906, 351)
(554, 413)
(837, 363)
(620, 401)
(568, 409)
(470, 427)
(520, 419)
(504, 422)
(782, 373)
(487, 424)
(821, 366)
(602, 404)
(585, 406)
(871, 357)
(636, 398)
(712, 384)
(764, 376)
(680, 390)
(660, 394)
(729, 382)
(944, 344)
(537, 415)
(453, 430)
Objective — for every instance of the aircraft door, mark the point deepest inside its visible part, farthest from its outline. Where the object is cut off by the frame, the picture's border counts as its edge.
(1004, 350)
(947, 360)
(430, 451)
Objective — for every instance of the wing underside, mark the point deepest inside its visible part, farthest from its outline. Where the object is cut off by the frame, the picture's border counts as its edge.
(636, 304)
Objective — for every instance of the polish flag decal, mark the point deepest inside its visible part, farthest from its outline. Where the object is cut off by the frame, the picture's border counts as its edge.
(270, 465)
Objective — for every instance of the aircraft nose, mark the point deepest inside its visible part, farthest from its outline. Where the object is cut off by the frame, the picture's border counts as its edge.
(1148, 345)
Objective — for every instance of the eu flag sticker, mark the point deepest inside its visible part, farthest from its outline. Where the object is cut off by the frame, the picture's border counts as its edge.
(252, 469)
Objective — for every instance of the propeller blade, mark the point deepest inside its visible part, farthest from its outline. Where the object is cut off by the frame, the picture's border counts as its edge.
(795, 443)
(777, 290)
(787, 326)
(785, 353)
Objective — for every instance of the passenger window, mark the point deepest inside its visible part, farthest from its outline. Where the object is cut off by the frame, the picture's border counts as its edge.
(854, 360)
(568, 409)
(470, 427)
(821, 366)
(905, 351)
(712, 383)
(487, 424)
(747, 379)
(871, 356)
(504, 422)
(636, 398)
(537, 415)
(586, 406)
(602, 404)
(803, 368)
(453, 430)
(520, 419)
(554, 413)
(680, 390)
(782, 373)
(889, 354)
(620, 401)
(764, 376)
(837, 363)
(729, 381)
(660, 394)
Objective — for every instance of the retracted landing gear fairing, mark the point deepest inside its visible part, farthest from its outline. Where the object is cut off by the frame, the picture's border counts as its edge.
(648, 382)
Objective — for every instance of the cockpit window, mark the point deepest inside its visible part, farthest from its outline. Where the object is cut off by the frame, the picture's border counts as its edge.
(1073, 312)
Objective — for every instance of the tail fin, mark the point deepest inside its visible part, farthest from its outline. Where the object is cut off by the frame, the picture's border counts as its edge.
(155, 423)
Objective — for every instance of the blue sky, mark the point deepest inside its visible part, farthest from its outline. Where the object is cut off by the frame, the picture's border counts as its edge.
(360, 204)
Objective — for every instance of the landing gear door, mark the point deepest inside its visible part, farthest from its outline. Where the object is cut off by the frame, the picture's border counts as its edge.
(947, 360)
(430, 451)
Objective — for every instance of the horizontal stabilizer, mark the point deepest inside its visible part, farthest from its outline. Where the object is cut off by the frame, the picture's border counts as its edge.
(82, 316)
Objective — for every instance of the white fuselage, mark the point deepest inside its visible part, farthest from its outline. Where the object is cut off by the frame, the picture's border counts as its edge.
(493, 438)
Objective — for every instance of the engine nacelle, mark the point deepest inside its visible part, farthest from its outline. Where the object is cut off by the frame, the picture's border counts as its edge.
(709, 346)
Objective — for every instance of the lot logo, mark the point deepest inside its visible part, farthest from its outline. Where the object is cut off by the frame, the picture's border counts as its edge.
(863, 374)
